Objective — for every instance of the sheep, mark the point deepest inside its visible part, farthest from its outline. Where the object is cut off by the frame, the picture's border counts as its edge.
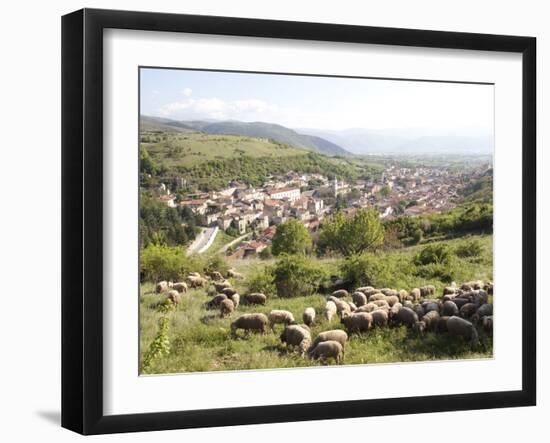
(328, 349)
(279, 316)
(226, 307)
(468, 310)
(330, 310)
(460, 301)
(457, 326)
(250, 322)
(340, 293)
(341, 306)
(359, 298)
(194, 274)
(216, 276)
(419, 311)
(489, 287)
(370, 291)
(174, 297)
(234, 274)
(407, 316)
(380, 318)
(308, 316)
(402, 294)
(352, 306)
(180, 286)
(425, 291)
(236, 299)
(430, 320)
(381, 303)
(441, 324)
(369, 307)
(364, 289)
(295, 335)
(220, 286)
(483, 311)
(449, 290)
(430, 305)
(487, 323)
(388, 292)
(415, 294)
(196, 282)
(376, 296)
(255, 298)
(359, 322)
(480, 297)
(394, 310)
(228, 291)
(449, 308)
(216, 301)
(161, 286)
(408, 304)
(391, 300)
(333, 335)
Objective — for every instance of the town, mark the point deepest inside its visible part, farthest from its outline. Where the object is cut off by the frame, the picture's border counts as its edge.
(252, 214)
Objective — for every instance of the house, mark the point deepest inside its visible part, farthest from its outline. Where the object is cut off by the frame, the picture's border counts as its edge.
(291, 194)
(198, 205)
(168, 200)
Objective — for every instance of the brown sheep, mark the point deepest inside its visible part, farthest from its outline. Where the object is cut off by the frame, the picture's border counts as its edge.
(483, 311)
(279, 316)
(392, 300)
(228, 291)
(226, 308)
(340, 293)
(174, 297)
(250, 322)
(196, 282)
(334, 335)
(161, 286)
(216, 276)
(359, 322)
(295, 335)
(234, 274)
(216, 301)
(359, 298)
(407, 317)
(380, 318)
(220, 286)
(415, 293)
(449, 309)
(376, 296)
(328, 349)
(180, 286)
(402, 294)
(468, 310)
(255, 298)
(458, 326)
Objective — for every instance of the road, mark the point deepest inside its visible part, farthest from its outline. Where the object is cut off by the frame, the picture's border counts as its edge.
(202, 241)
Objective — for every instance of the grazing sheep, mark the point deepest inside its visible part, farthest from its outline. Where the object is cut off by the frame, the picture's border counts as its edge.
(216, 276)
(220, 286)
(394, 310)
(255, 298)
(180, 286)
(466, 287)
(352, 306)
(359, 298)
(381, 303)
(174, 297)
(483, 311)
(236, 299)
(340, 293)
(460, 301)
(376, 296)
(196, 282)
(357, 322)
(194, 274)
(228, 291)
(487, 323)
(402, 294)
(308, 316)
(341, 306)
(369, 307)
(424, 291)
(380, 318)
(489, 287)
(441, 325)
(408, 304)
(234, 274)
(279, 316)
(333, 335)
(415, 294)
(161, 287)
(430, 320)
(407, 317)
(328, 349)
(449, 290)
(250, 322)
(216, 301)
(226, 308)
(457, 326)
(419, 311)
(364, 289)
(430, 305)
(480, 297)
(449, 308)
(468, 310)
(330, 310)
(388, 292)
(370, 291)
(294, 335)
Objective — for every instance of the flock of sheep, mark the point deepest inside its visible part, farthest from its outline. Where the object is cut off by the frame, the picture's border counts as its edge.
(458, 312)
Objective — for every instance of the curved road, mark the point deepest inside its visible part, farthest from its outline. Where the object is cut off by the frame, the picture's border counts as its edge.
(202, 240)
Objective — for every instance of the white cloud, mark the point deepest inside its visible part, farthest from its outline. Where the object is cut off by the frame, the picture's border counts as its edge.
(215, 108)
(187, 92)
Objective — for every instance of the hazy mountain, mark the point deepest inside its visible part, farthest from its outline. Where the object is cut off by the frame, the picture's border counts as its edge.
(256, 129)
(404, 141)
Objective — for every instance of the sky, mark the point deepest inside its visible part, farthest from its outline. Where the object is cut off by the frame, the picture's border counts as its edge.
(326, 103)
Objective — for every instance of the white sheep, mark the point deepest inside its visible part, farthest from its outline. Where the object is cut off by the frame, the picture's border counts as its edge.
(308, 316)
(330, 310)
(279, 316)
(328, 349)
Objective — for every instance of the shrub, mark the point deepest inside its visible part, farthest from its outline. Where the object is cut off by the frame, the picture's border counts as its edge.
(295, 275)
(469, 248)
(262, 281)
(291, 237)
(158, 262)
(265, 254)
(366, 270)
(216, 263)
(444, 272)
(434, 254)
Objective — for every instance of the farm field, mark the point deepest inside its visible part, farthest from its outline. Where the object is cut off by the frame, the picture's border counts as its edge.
(197, 339)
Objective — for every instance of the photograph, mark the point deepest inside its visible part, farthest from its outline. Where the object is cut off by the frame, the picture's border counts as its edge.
(293, 220)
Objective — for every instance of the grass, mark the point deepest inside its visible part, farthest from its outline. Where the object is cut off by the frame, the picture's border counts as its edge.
(201, 341)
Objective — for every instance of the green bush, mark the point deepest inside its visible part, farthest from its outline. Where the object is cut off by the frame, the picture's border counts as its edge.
(216, 263)
(440, 253)
(469, 248)
(291, 237)
(366, 270)
(265, 254)
(158, 262)
(295, 275)
(444, 272)
(263, 282)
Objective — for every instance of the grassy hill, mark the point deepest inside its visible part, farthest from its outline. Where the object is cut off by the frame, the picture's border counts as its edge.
(259, 130)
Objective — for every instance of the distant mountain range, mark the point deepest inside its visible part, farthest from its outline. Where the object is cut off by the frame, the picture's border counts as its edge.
(403, 141)
(255, 129)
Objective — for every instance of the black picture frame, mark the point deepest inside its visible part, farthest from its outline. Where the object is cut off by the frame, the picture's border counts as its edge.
(82, 218)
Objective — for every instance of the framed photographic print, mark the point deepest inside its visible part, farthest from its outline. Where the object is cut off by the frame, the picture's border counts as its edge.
(253, 209)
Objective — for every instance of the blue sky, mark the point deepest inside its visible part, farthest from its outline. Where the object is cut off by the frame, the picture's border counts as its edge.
(317, 102)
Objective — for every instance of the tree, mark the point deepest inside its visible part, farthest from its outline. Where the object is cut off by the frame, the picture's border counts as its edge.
(353, 235)
(291, 237)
